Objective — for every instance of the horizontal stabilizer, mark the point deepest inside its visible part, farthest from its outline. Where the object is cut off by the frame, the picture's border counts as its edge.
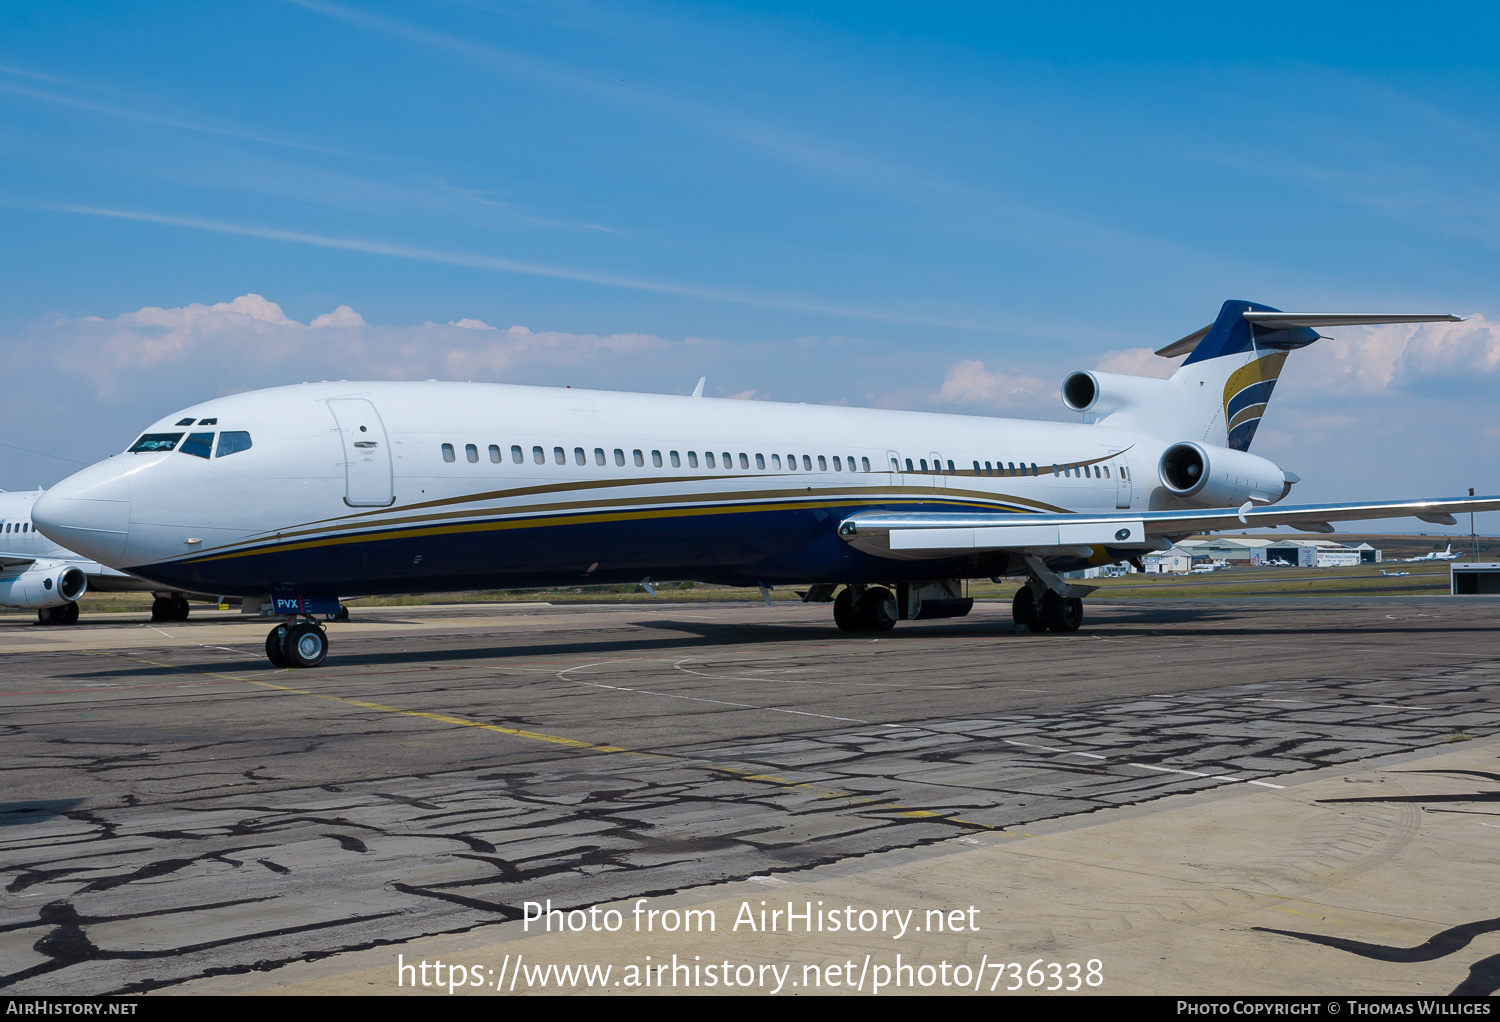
(1272, 320)
(1283, 320)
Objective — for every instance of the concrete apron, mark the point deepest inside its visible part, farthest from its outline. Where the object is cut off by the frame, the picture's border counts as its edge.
(1375, 878)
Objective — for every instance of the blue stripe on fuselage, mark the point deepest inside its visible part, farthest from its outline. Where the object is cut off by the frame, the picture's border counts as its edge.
(748, 546)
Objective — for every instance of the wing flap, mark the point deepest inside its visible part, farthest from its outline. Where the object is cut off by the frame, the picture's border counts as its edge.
(908, 534)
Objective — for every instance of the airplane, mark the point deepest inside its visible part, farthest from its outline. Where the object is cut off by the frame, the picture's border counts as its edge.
(1395, 574)
(37, 573)
(1436, 555)
(298, 497)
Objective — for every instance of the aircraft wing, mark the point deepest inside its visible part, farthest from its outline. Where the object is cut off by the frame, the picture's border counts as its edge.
(907, 535)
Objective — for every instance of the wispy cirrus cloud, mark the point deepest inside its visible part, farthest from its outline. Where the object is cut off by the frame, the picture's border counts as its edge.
(505, 265)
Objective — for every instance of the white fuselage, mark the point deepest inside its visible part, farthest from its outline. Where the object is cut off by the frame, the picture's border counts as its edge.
(400, 487)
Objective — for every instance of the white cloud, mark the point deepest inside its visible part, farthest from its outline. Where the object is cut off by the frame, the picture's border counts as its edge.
(1138, 362)
(251, 342)
(969, 382)
(343, 318)
(1370, 360)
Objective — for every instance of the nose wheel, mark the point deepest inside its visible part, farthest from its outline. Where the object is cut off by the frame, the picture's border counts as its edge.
(299, 644)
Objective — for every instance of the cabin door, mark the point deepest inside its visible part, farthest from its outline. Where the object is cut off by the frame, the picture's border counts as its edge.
(367, 454)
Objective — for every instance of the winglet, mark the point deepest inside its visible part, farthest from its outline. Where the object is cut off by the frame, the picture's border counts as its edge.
(698, 390)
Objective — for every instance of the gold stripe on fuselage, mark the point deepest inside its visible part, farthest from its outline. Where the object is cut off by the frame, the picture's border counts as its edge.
(540, 519)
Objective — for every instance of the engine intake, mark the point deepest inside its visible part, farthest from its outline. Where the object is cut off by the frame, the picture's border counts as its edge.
(1212, 476)
(44, 584)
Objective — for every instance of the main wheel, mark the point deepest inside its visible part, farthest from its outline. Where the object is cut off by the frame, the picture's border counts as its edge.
(179, 608)
(1062, 614)
(844, 613)
(70, 614)
(306, 645)
(50, 616)
(275, 642)
(1023, 609)
(877, 610)
(161, 608)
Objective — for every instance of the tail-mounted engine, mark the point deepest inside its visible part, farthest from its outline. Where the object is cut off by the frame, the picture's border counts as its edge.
(1212, 476)
(43, 584)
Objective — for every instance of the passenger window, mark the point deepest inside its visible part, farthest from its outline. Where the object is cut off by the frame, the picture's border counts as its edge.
(728, 460)
(494, 454)
(760, 461)
(233, 441)
(1106, 471)
(838, 466)
(908, 466)
(598, 455)
(692, 459)
(744, 461)
(152, 442)
(472, 453)
(539, 456)
(448, 454)
(924, 464)
(559, 455)
(656, 459)
(640, 459)
(619, 456)
(776, 462)
(676, 461)
(806, 463)
(864, 464)
(822, 464)
(708, 459)
(579, 456)
(515, 453)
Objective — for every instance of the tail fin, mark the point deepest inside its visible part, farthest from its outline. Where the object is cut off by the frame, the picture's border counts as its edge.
(1220, 393)
(1235, 366)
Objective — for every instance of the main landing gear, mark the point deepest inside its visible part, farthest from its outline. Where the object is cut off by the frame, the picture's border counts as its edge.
(169, 608)
(1046, 603)
(67, 614)
(297, 644)
(1053, 613)
(865, 609)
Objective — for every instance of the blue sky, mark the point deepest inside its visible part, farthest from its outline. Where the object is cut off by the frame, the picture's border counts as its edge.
(867, 204)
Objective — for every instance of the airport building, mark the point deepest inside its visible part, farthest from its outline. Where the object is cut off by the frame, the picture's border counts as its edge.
(1259, 551)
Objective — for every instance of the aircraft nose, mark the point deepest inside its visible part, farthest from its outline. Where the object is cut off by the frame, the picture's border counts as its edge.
(88, 512)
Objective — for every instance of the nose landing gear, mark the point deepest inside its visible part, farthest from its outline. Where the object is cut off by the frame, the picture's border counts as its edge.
(297, 644)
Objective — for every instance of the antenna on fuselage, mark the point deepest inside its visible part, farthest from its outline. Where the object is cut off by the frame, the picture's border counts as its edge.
(698, 390)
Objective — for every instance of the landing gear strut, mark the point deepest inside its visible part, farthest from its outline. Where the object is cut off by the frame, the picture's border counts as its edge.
(1046, 603)
(861, 609)
(297, 644)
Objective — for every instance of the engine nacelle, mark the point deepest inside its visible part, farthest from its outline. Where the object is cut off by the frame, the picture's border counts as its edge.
(44, 584)
(1212, 476)
(1100, 393)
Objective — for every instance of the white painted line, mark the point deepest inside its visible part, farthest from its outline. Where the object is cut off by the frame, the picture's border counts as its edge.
(1268, 784)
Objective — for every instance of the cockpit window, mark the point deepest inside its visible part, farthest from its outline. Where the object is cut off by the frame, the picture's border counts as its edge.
(155, 442)
(199, 445)
(233, 442)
